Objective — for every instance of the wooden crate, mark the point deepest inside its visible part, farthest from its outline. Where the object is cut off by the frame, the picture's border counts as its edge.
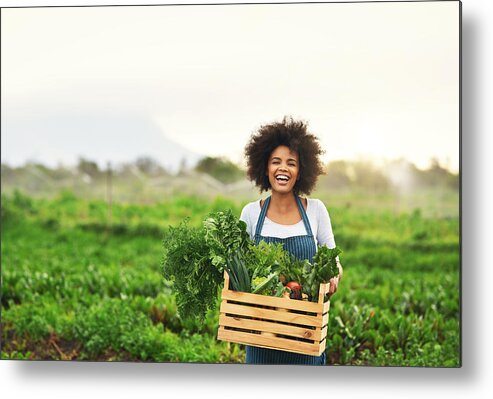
(272, 322)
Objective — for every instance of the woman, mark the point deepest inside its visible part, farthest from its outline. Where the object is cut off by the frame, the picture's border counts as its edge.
(284, 158)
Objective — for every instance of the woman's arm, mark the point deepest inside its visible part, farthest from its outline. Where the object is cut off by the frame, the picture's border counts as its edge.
(247, 217)
(325, 235)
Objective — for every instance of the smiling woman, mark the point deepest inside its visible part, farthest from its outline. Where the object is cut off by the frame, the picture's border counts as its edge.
(285, 159)
(283, 170)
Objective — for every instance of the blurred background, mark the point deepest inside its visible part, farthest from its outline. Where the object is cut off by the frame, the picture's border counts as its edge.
(164, 99)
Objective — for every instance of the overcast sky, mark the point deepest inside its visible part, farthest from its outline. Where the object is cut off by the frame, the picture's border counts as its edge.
(377, 80)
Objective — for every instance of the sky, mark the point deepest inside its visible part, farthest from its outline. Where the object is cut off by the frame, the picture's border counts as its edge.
(372, 80)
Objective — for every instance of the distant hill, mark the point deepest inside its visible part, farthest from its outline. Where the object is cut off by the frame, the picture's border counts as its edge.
(101, 137)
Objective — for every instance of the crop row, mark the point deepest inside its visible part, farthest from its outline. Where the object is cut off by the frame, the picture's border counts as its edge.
(75, 287)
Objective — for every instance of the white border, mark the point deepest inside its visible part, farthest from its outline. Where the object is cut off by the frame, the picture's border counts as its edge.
(473, 380)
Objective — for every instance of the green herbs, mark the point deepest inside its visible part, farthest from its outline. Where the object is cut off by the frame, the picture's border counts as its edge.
(223, 235)
(264, 259)
(325, 263)
(295, 270)
(188, 266)
(323, 268)
(265, 285)
(195, 260)
(265, 262)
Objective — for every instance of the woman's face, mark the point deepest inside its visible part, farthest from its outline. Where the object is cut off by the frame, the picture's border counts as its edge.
(283, 169)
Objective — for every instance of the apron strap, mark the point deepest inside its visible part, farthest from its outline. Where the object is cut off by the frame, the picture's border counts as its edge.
(261, 218)
(304, 216)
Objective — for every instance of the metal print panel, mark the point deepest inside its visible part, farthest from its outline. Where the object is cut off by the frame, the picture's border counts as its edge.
(232, 183)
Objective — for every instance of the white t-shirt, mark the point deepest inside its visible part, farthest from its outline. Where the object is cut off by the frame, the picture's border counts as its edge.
(318, 216)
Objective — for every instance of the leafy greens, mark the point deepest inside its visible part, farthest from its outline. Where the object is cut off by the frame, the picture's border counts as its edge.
(195, 260)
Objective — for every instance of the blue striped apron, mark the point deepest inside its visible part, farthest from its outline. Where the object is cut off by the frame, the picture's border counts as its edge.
(302, 247)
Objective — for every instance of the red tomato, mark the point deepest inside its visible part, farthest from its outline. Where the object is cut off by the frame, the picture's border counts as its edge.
(295, 288)
(293, 285)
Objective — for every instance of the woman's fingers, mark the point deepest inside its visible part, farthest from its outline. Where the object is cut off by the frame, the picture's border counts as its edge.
(333, 283)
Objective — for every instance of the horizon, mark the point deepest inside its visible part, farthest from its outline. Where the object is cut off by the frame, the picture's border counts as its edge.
(378, 163)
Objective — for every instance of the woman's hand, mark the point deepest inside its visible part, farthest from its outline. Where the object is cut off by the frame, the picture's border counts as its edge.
(334, 281)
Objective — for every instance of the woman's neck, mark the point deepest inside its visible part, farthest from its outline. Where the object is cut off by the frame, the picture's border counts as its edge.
(283, 209)
(283, 203)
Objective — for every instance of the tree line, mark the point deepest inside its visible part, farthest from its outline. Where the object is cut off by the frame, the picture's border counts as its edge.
(340, 175)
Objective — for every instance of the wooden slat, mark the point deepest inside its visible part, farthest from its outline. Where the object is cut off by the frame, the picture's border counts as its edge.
(325, 319)
(252, 308)
(273, 301)
(324, 288)
(326, 307)
(270, 342)
(287, 317)
(258, 325)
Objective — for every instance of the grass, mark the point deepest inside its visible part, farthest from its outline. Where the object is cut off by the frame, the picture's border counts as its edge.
(78, 285)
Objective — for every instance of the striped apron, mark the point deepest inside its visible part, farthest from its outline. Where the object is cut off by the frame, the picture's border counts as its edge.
(302, 247)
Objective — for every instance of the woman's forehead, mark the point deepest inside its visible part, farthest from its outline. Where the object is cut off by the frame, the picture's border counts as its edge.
(283, 151)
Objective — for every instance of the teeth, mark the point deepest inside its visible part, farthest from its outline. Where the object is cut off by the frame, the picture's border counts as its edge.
(282, 177)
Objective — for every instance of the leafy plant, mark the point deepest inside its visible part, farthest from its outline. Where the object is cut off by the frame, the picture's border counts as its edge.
(55, 279)
(224, 234)
(188, 265)
(238, 273)
(195, 259)
(263, 259)
(323, 268)
(266, 285)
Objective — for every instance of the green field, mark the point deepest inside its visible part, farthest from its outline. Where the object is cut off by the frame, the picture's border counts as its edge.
(80, 284)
